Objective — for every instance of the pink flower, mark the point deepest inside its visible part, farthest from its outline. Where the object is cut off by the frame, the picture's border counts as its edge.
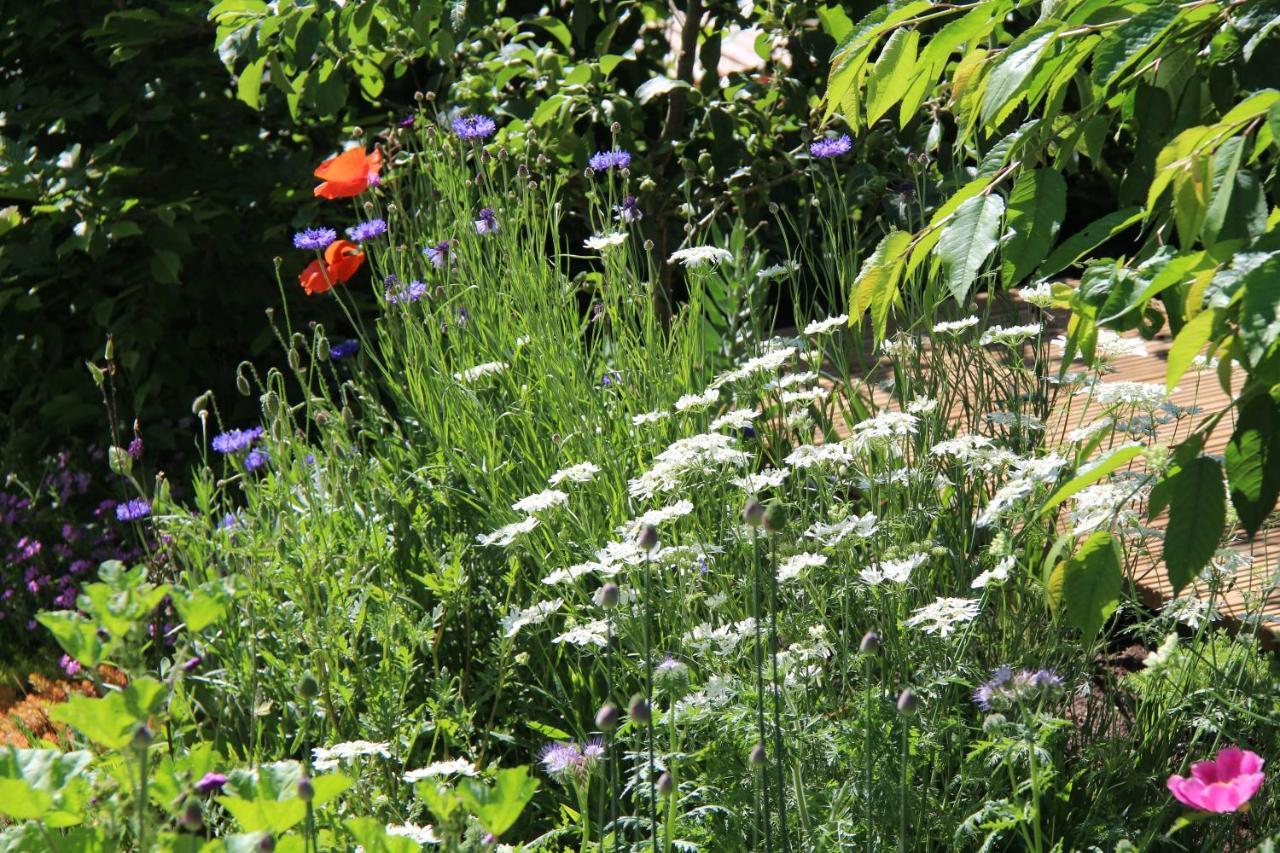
(1222, 785)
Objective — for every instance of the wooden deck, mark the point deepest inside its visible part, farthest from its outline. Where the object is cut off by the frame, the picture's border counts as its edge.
(1253, 588)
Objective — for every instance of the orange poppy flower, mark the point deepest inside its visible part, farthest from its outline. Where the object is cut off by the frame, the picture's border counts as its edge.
(341, 260)
(348, 174)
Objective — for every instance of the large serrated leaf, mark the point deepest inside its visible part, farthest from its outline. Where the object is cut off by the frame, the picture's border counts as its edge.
(1037, 205)
(1090, 583)
(877, 281)
(891, 74)
(1124, 45)
(1197, 514)
(1088, 238)
(1253, 462)
(1187, 345)
(1007, 77)
(968, 240)
(1260, 309)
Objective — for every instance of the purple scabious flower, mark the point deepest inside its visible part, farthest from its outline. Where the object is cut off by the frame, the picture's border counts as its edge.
(409, 121)
(255, 459)
(367, 230)
(134, 510)
(235, 440)
(616, 158)
(210, 782)
(317, 239)
(438, 254)
(488, 221)
(477, 126)
(345, 349)
(629, 211)
(824, 149)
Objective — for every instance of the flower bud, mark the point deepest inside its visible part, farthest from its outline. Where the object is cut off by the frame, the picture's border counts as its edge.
(775, 516)
(191, 818)
(607, 596)
(266, 844)
(908, 702)
(142, 737)
(607, 717)
(308, 688)
(757, 756)
(753, 512)
(665, 785)
(870, 643)
(306, 791)
(648, 538)
(640, 711)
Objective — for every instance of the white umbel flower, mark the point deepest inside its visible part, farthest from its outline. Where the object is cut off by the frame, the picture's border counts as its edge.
(455, 767)
(955, 327)
(794, 566)
(698, 402)
(583, 472)
(544, 500)
(696, 256)
(942, 616)
(735, 419)
(821, 327)
(600, 242)
(811, 455)
(507, 534)
(535, 615)
(997, 575)
(1009, 335)
(830, 535)
(480, 371)
(594, 633)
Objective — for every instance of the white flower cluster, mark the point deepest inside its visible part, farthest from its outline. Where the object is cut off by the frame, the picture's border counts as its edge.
(454, 767)
(943, 615)
(542, 501)
(326, 758)
(696, 256)
(830, 535)
(471, 374)
(535, 615)
(698, 453)
(583, 472)
(795, 565)
(505, 535)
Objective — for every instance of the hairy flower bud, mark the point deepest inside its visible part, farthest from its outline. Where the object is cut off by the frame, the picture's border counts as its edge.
(648, 538)
(640, 711)
(870, 643)
(607, 717)
(908, 703)
(757, 756)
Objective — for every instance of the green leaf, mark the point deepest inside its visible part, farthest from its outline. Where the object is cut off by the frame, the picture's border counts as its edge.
(1037, 205)
(10, 218)
(1260, 309)
(1092, 474)
(274, 816)
(1197, 515)
(200, 607)
(76, 634)
(877, 281)
(1010, 73)
(372, 836)
(498, 806)
(20, 801)
(249, 84)
(1089, 238)
(657, 86)
(1090, 583)
(111, 720)
(1226, 164)
(891, 75)
(1124, 45)
(1187, 345)
(967, 240)
(556, 28)
(1253, 462)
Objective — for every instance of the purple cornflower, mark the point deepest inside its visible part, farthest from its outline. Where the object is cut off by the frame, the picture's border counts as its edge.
(474, 127)
(629, 211)
(417, 290)
(210, 782)
(488, 222)
(255, 459)
(134, 510)
(616, 158)
(190, 664)
(438, 254)
(69, 665)
(409, 121)
(317, 239)
(367, 230)
(135, 448)
(825, 149)
(235, 440)
(345, 349)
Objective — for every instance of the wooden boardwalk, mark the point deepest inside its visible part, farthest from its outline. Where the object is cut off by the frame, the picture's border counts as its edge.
(1252, 588)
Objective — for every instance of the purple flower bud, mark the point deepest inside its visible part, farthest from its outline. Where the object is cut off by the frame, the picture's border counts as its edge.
(210, 783)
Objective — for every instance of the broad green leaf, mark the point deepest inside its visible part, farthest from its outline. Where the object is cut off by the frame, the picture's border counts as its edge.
(112, 720)
(497, 806)
(1173, 159)
(1226, 164)
(10, 218)
(1089, 238)
(928, 237)
(1124, 45)
(372, 837)
(274, 816)
(76, 634)
(556, 28)
(200, 607)
(848, 61)
(1260, 309)
(656, 87)
(1197, 515)
(1037, 205)
(1091, 581)
(1187, 345)
(1007, 77)
(877, 281)
(1253, 462)
(249, 84)
(891, 74)
(968, 240)
(1092, 474)
(20, 801)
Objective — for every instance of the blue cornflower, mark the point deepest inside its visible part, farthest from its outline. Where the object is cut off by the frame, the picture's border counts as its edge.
(314, 238)
(345, 349)
(367, 230)
(629, 211)
(827, 148)
(438, 254)
(133, 510)
(474, 127)
(488, 221)
(255, 459)
(602, 161)
(235, 440)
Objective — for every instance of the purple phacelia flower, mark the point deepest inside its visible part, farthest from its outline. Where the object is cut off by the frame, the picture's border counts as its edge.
(190, 664)
(824, 149)
(488, 221)
(602, 161)
(345, 349)
(134, 510)
(367, 230)
(1007, 689)
(474, 127)
(235, 440)
(315, 239)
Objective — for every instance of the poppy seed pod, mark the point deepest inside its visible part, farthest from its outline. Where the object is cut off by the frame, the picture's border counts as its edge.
(907, 702)
(775, 516)
(607, 596)
(191, 818)
(753, 512)
(640, 711)
(870, 643)
(607, 717)
(142, 737)
(757, 756)
(308, 687)
(266, 844)
(648, 539)
(306, 791)
(666, 785)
